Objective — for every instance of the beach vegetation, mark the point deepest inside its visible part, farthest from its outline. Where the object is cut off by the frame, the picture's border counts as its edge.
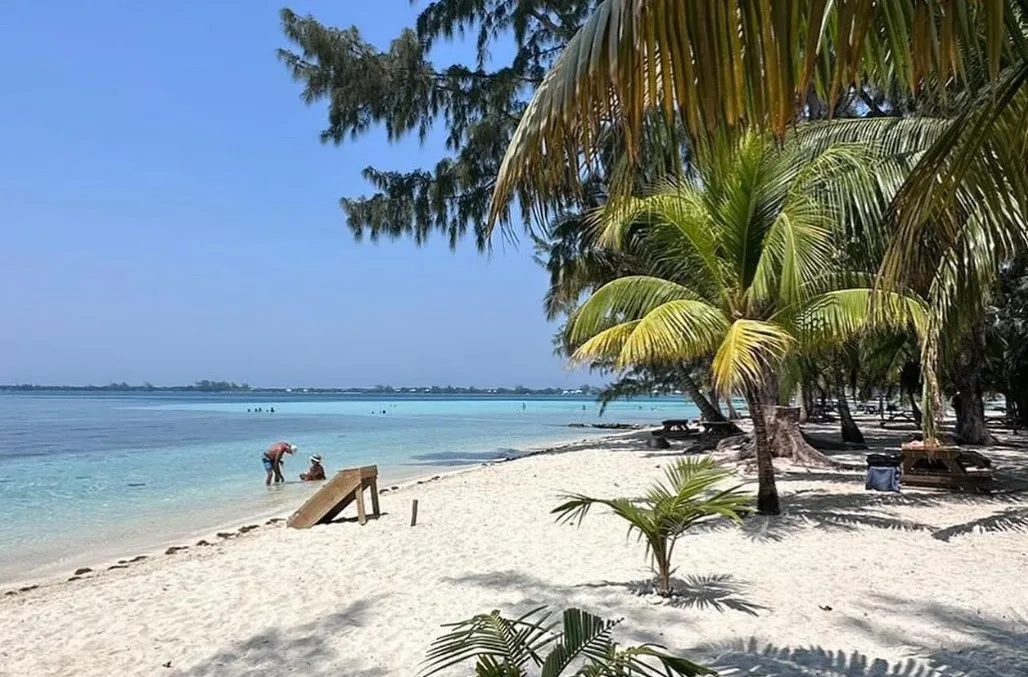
(740, 265)
(577, 264)
(536, 645)
(688, 496)
(606, 98)
(637, 65)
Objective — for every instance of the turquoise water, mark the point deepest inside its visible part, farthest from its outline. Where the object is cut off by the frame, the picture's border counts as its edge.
(85, 475)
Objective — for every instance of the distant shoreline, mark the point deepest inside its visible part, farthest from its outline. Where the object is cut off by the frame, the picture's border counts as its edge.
(234, 389)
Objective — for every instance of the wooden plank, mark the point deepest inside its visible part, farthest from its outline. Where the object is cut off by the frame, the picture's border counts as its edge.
(414, 512)
(677, 434)
(327, 502)
(362, 516)
(676, 425)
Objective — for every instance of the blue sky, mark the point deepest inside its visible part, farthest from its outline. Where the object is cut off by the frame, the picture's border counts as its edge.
(167, 213)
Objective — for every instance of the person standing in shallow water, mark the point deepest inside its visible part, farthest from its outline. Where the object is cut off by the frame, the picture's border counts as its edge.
(273, 459)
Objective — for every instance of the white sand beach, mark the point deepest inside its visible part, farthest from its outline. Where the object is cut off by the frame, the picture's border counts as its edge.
(847, 582)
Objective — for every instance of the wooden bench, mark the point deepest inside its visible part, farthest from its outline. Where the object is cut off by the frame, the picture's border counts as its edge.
(946, 468)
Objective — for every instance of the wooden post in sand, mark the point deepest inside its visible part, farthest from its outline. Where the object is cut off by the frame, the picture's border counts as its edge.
(373, 484)
(362, 515)
(414, 512)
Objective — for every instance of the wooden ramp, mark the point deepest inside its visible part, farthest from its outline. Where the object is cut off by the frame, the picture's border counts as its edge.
(346, 487)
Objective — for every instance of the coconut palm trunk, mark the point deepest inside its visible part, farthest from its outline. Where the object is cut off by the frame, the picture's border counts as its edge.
(692, 390)
(776, 434)
(715, 399)
(850, 431)
(706, 407)
(767, 491)
(806, 401)
(968, 402)
(915, 409)
(733, 415)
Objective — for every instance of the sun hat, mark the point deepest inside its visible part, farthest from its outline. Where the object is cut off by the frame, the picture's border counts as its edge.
(316, 458)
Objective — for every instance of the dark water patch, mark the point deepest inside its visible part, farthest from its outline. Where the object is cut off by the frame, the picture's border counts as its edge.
(136, 484)
(458, 457)
(147, 431)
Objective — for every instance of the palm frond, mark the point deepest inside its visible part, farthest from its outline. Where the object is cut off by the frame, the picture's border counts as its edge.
(605, 348)
(583, 634)
(671, 230)
(633, 661)
(623, 299)
(749, 350)
(837, 316)
(729, 63)
(979, 167)
(491, 638)
(581, 641)
(673, 332)
(686, 497)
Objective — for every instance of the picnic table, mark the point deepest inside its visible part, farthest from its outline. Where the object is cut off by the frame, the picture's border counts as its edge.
(676, 429)
(717, 426)
(946, 468)
(677, 425)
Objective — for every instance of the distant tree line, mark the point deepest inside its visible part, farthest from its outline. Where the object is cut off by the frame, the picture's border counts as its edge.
(206, 386)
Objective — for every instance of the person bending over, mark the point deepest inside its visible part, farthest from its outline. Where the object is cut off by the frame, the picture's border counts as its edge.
(273, 459)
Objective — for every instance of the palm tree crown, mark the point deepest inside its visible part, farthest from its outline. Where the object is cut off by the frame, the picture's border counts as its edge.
(741, 264)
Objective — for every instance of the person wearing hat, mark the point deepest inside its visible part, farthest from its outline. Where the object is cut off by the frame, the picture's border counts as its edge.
(315, 472)
(273, 459)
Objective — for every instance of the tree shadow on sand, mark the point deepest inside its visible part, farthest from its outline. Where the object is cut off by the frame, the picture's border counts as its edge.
(354, 519)
(715, 592)
(302, 649)
(1008, 519)
(751, 658)
(812, 509)
(990, 647)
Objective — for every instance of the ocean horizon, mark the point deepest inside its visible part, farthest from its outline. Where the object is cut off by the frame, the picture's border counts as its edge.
(87, 476)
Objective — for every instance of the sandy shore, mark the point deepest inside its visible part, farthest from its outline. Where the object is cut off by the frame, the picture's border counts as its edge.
(207, 521)
(846, 583)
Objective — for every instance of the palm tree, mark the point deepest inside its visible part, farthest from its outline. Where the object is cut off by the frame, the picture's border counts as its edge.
(502, 647)
(669, 509)
(741, 267)
(577, 264)
(732, 65)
